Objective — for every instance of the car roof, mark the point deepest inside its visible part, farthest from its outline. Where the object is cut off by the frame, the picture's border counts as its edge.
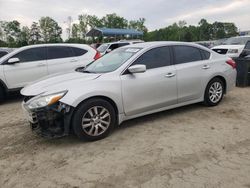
(119, 42)
(84, 46)
(56, 44)
(161, 43)
(244, 36)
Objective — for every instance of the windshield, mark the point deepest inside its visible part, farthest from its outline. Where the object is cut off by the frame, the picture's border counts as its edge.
(111, 61)
(103, 48)
(237, 40)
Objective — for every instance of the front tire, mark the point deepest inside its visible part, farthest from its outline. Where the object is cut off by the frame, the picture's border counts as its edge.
(94, 119)
(214, 92)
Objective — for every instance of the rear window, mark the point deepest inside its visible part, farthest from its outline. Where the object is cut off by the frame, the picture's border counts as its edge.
(58, 52)
(78, 51)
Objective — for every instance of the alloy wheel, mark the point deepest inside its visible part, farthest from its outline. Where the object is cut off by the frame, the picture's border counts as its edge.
(96, 121)
(215, 92)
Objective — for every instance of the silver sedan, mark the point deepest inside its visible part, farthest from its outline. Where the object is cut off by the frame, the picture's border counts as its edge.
(129, 82)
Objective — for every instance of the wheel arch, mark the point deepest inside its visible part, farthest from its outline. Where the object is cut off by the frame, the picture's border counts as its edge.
(3, 85)
(108, 99)
(223, 80)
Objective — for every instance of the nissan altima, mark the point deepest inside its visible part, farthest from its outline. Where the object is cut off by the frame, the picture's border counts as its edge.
(129, 82)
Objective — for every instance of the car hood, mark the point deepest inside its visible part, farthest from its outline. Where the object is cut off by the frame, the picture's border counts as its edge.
(228, 47)
(57, 83)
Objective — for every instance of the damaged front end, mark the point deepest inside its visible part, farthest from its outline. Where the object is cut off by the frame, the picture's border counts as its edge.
(49, 121)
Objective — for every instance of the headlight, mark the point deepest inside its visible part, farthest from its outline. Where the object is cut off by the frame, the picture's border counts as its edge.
(233, 51)
(45, 100)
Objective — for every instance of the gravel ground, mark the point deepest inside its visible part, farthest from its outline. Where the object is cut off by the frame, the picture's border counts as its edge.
(192, 146)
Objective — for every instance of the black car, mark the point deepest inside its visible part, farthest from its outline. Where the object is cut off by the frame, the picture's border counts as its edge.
(246, 50)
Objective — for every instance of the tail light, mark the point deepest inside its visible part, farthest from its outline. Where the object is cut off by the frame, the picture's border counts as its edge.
(231, 63)
(97, 55)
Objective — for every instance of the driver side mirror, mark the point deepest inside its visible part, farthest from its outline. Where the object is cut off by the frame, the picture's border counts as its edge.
(13, 60)
(137, 69)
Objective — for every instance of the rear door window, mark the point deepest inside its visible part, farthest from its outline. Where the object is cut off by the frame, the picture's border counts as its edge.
(186, 54)
(78, 51)
(155, 58)
(33, 54)
(58, 52)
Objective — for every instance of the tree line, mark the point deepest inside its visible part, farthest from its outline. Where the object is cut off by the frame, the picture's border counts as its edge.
(47, 30)
(204, 31)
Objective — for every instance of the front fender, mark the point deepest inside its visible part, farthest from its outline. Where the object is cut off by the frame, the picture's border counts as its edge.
(111, 90)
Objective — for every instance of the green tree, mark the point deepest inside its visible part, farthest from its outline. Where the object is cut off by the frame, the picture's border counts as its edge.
(50, 30)
(75, 31)
(205, 30)
(24, 36)
(12, 31)
(138, 25)
(83, 25)
(114, 21)
(230, 29)
(2, 32)
(181, 25)
(94, 22)
(35, 34)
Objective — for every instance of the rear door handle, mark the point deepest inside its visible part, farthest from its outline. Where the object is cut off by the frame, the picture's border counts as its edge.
(41, 65)
(206, 67)
(170, 75)
(73, 60)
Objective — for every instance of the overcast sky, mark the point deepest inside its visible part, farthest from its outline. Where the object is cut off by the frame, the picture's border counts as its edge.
(158, 13)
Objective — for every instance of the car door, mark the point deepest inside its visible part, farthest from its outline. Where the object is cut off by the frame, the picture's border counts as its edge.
(61, 59)
(153, 89)
(192, 69)
(32, 66)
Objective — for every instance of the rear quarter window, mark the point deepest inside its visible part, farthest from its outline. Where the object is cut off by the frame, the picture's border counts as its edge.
(205, 54)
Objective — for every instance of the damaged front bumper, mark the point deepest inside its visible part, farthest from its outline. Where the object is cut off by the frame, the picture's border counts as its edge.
(50, 121)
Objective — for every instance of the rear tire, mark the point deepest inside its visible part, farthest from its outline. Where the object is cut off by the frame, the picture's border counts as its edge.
(2, 94)
(94, 119)
(214, 92)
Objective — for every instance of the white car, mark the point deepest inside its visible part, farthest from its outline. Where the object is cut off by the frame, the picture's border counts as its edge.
(129, 82)
(232, 47)
(30, 63)
(108, 47)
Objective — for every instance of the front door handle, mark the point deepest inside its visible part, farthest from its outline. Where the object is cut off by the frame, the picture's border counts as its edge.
(206, 67)
(170, 75)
